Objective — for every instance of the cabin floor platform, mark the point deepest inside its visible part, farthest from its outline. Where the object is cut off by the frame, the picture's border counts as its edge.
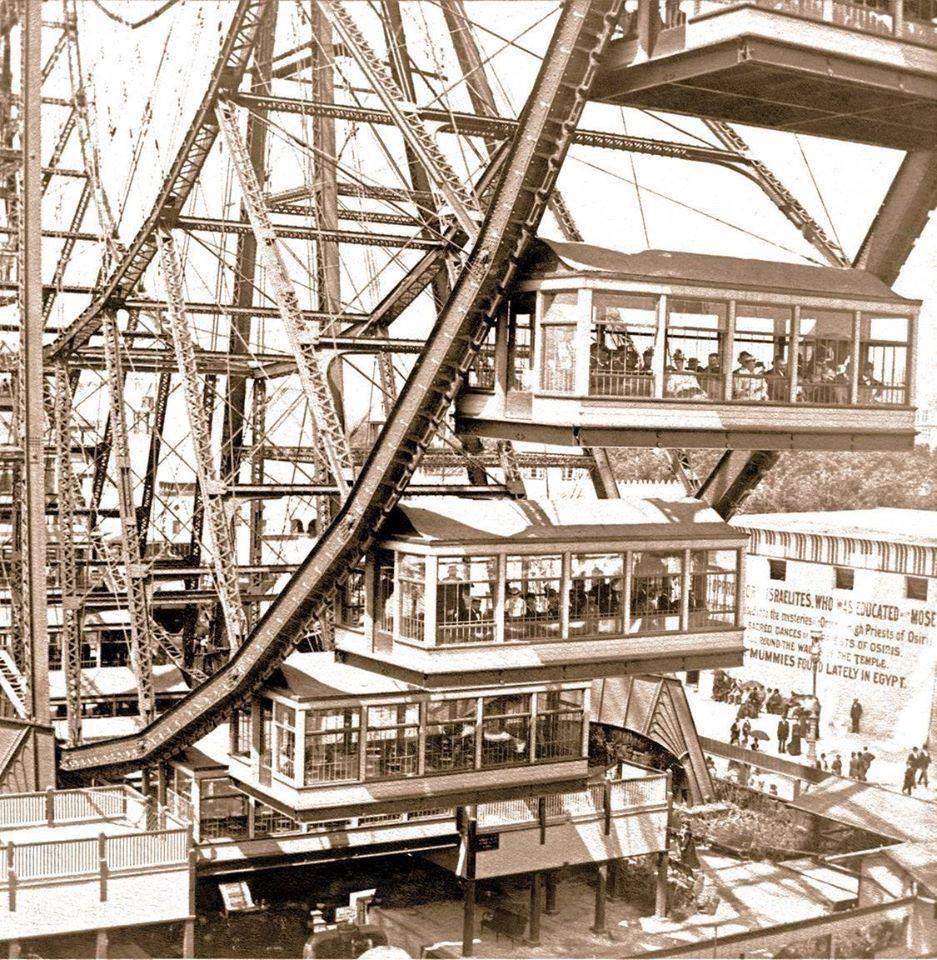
(849, 78)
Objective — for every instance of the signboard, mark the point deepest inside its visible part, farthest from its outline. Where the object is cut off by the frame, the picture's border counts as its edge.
(488, 841)
(236, 896)
(876, 645)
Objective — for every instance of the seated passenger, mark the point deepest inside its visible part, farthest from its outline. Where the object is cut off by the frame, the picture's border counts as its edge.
(747, 382)
(779, 382)
(870, 389)
(680, 383)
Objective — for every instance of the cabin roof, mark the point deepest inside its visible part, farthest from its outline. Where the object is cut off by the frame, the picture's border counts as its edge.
(319, 676)
(553, 257)
(464, 520)
(118, 681)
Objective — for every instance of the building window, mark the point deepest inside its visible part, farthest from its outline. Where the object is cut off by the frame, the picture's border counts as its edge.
(222, 810)
(712, 587)
(384, 596)
(521, 341)
(450, 735)
(694, 347)
(845, 578)
(393, 740)
(777, 569)
(412, 591)
(351, 600)
(558, 369)
(824, 356)
(269, 822)
(595, 594)
(532, 597)
(265, 720)
(656, 589)
(621, 352)
(285, 733)
(506, 730)
(465, 599)
(915, 588)
(559, 724)
(332, 746)
(241, 741)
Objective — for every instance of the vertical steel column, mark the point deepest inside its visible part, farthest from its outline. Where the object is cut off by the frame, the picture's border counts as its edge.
(36, 641)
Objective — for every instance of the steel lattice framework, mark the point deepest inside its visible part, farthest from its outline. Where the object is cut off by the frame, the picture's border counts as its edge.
(196, 375)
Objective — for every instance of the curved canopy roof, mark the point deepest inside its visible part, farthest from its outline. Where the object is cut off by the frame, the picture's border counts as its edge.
(552, 257)
(460, 520)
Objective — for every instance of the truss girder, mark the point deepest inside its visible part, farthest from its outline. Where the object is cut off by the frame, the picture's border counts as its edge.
(536, 155)
(223, 548)
(734, 477)
(141, 640)
(178, 183)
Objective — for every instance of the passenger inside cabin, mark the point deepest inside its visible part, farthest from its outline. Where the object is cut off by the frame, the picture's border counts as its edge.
(870, 389)
(748, 382)
(682, 383)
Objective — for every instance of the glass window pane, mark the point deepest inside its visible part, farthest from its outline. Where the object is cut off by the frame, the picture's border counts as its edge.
(694, 345)
(450, 735)
(762, 335)
(559, 724)
(621, 351)
(506, 730)
(332, 744)
(558, 368)
(393, 737)
(824, 357)
(656, 588)
(532, 597)
(465, 599)
(596, 595)
(412, 576)
(521, 341)
(713, 587)
(883, 359)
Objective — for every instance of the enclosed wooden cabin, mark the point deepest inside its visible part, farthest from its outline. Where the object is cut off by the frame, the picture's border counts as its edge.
(468, 591)
(602, 348)
(329, 739)
(864, 71)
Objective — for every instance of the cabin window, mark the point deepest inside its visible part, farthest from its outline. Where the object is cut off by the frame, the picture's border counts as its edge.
(450, 735)
(332, 746)
(777, 569)
(269, 822)
(883, 360)
(595, 594)
(182, 784)
(559, 724)
(621, 352)
(351, 600)
(285, 731)
(532, 598)
(465, 599)
(412, 576)
(506, 730)
(916, 588)
(762, 335)
(384, 591)
(824, 357)
(393, 740)
(521, 342)
(713, 587)
(558, 352)
(845, 578)
(222, 810)
(694, 349)
(481, 374)
(656, 589)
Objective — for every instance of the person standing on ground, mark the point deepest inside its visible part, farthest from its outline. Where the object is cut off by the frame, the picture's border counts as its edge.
(913, 758)
(922, 765)
(784, 731)
(908, 785)
(855, 714)
(866, 758)
(836, 766)
(821, 763)
(746, 731)
(734, 733)
(854, 766)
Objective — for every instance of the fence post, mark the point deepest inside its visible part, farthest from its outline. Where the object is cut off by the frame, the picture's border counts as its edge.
(102, 865)
(11, 876)
(542, 816)
(50, 807)
(607, 804)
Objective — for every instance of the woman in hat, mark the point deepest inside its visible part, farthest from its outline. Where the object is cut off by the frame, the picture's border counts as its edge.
(680, 382)
(748, 381)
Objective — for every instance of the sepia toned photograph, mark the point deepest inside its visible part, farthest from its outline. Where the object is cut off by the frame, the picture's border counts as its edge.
(468, 479)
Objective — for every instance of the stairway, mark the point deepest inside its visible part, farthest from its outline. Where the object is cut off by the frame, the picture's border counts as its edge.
(13, 684)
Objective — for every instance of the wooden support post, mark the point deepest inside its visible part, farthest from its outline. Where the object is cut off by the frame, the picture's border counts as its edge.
(550, 906)
(533, 936)
(601, 887)
(614, 879)
(827, 949)
(100, 945)
(542, 817)
(660, 891)
(468, 918)
(50, 807)
(14, 950)
(11, 877)
(897, 17)
(188, 937)
(607, 805)
(102, 865)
